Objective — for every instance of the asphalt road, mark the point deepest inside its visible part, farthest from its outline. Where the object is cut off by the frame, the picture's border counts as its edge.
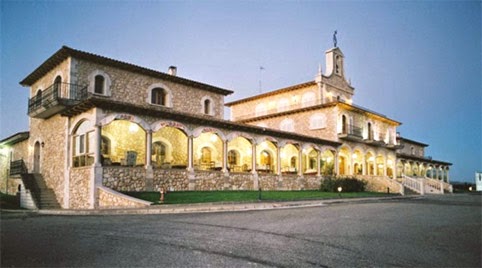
(436, 231)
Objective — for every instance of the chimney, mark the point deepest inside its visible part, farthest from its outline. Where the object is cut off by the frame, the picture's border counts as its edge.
(172, 70)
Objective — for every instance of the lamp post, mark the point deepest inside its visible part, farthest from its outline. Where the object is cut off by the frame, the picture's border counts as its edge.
(339, 191)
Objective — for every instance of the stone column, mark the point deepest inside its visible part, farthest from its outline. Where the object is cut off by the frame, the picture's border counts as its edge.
(97, 144)
(148, 149)
(278, 159)
(364, 165)
(447, 172)
(253, 166)
(318, 166)
(337, 170)
(191, 177)
(253, 158)
(225, 156)
(300, 161)
(190, 166)
(149, 170)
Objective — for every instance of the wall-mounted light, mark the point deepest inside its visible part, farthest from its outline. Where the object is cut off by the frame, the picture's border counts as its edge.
(42, 144)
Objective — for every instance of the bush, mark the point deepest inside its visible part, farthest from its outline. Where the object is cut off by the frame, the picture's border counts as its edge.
(331, 184)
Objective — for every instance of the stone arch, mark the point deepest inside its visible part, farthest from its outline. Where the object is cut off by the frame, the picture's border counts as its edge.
(165, 123)
(127, 117)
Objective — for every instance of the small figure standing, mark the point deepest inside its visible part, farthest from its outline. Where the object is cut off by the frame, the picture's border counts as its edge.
(334, 38)
(162, 192)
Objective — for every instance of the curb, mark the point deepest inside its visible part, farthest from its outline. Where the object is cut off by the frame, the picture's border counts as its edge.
(208, 208)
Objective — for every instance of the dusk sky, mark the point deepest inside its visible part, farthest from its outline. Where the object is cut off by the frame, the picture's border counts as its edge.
(416, 62)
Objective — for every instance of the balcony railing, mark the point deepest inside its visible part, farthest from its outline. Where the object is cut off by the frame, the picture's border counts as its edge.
(17, 167)
(352, 131)
(55, 98)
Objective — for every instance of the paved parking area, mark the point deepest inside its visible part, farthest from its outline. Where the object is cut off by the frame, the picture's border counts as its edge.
(433, 231)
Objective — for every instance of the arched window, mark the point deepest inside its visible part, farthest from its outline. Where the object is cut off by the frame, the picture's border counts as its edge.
(159, 96)
(83, 152)
(265, 160)
(206, 155)
(308, 99)
(283, 105)
(260, 110)
(343, 124)
(207, 106)
(412, 150)
(233, 158)
(370, 131)
(287, 125)
(105, 146)
(38, 99)
(159, 152)
(57, 86)
(99, 84)
(317, 121)
(293, 162)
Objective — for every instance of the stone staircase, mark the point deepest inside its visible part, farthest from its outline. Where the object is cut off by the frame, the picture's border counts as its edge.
(423, 185)
(43, 196)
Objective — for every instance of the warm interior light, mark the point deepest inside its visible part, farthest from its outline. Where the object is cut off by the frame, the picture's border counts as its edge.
(354, 156)
(214, 137)
(133, 128)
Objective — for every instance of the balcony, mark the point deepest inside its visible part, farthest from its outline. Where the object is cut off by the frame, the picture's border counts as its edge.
(351, 132)
(55, 99)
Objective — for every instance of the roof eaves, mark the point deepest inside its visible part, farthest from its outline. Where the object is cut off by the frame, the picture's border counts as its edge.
(65, 52)
(15, 138)
(270, 93)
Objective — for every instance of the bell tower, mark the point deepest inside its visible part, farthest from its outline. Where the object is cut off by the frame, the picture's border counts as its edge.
(334, 62)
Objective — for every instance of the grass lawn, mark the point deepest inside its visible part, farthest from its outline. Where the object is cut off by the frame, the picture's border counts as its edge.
(8, 201)
(245, 196)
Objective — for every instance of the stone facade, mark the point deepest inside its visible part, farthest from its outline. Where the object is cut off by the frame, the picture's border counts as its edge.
(80, 190)
(125, 179)
(115, 138)
(171, 179)
(130, 87)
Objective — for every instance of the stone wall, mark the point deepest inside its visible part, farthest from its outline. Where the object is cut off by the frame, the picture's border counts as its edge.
(209, 181)
(239, 181)
(111, 199)
(50, 132)
(79, 190)
(133, 88)
(171, 179)
(125, 179)
(17, 151)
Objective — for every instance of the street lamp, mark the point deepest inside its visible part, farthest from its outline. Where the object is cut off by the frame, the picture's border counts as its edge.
(339, 191)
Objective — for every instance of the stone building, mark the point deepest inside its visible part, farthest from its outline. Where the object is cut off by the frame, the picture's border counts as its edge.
(99, 126)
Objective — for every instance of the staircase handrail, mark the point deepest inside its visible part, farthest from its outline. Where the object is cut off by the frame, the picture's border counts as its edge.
(413, 184)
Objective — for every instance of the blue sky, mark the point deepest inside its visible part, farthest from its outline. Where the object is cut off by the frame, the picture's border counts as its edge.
(416, 62)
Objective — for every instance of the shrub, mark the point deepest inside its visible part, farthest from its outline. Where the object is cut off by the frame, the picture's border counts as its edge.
(331, 184)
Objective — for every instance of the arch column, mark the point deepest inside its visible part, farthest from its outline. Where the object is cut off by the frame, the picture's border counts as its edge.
(447, 174)
(300, 160)
(278, 159)
(253, 158)
(149, 149)
(225, 156)
(190, 154)
(337, 170)
(364, 164)
(318, 161)
(97, 143)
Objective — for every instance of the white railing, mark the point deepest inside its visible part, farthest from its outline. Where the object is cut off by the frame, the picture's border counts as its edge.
(433, 186)
(413, 184)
